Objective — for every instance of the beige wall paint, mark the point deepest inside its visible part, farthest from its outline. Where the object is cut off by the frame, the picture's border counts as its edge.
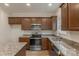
(72, 35)
(32, 14)
(5, 32)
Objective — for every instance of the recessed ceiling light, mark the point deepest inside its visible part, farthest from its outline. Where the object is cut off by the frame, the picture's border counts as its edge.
(28, 4)
(6, 4)
(50, 4)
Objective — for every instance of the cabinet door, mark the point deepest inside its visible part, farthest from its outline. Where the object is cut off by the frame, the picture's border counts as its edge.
(33, 20)
(44, 25)
(45, 43)
(49, 47)
(36, 20)
(49, 23)
(64, 16)
(14, 20)
(26, 24)
(73, 16)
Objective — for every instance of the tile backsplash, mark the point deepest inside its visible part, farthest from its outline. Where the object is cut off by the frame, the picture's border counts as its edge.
(16, 32)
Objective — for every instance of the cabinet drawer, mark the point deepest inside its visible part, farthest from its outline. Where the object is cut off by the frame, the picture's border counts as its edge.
(23, 39)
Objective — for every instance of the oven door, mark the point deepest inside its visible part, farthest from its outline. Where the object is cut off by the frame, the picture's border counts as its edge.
(35, 44)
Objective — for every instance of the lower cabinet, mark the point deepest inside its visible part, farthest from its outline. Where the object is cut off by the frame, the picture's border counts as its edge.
(25, 39)
(51, 49)
(48, 45)
(22, 52)
(44, 43)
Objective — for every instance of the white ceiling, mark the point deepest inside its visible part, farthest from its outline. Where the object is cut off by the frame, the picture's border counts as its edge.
(35, 7)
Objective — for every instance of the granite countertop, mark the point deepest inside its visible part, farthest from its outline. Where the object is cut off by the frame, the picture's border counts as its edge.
(10, 49)
(67, 47)
(68, 42)
(72, 43)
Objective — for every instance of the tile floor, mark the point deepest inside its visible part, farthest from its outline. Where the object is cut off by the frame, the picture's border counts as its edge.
(37, 53)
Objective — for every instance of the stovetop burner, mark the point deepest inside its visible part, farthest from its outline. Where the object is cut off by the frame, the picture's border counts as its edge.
(36, 36)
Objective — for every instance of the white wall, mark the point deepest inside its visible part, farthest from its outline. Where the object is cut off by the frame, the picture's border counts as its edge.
(29, 14)
(72, 35)
(5, 32)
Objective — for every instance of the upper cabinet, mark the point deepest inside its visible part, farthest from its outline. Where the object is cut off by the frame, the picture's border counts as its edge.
(26, 24)
(14, 20)
(36, 20)
(49, 24)
(70, 16)
(64, 16)
(74, 16)
(46, 24)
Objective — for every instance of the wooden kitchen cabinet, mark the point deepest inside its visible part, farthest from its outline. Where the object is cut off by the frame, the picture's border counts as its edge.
(64, 16)
(26, 24)
(25, 39)
(44, 43)
(51, 49)
(46, 23)
(36, 20)
(70, 18)
(14, 20)
(44, 27)
(49, 24)
(73, 16)
(22, 52)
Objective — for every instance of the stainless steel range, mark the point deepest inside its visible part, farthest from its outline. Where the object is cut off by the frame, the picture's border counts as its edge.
(35, 42)
(35, 38)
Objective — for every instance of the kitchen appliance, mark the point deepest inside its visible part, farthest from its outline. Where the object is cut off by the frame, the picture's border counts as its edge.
(36, 27)
(35, 42)
(35, 38)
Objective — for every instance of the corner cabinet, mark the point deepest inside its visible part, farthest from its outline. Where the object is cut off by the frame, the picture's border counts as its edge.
(70, 16)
